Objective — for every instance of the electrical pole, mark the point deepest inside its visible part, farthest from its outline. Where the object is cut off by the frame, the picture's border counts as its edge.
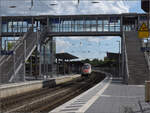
(119, 59)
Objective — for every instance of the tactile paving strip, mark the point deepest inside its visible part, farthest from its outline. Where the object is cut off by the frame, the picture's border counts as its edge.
(75, 104)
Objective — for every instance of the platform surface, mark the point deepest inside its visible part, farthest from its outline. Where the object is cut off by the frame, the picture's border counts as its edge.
(37, 81)
(109, 96)
(121, 98)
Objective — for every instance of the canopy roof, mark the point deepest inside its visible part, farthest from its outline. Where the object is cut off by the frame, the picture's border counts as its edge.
(66, 56)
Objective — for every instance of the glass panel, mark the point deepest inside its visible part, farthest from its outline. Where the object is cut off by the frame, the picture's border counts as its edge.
(100, 22)
(69, 26)
(117, 28)
(20, 26)
(10, 26)
(73, 26)
(99, 27)
(24, 26)
(35, 26)
(105, 22)
(118, 23)
(80, 26)
(4, 26)
(105, 27)
(54, 28)
(112, 28)
(60, 26)
(15, 27)
(93, 25)
(87, 25)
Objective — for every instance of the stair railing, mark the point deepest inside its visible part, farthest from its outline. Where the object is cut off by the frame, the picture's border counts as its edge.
(17, 44)
(147, 57)
(25, 48)
(43, 34)
(125, 59)
(23, 57)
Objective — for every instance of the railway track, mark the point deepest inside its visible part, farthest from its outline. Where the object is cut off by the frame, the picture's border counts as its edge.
(21, 99)
(46, 99)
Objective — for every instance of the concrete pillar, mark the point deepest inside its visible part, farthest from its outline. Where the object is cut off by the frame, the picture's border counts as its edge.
(138, 26)
(121, 24)
(32, 24)
(0, 26)
(36, 63)
(48, 21)
(57, 66)
(0, 43)
(0, 34)
(122, 58)
(30, 65)
(40, 69)
(43, 63)
(0, 57)
(69, 67)
(64, 65)
(51, 54)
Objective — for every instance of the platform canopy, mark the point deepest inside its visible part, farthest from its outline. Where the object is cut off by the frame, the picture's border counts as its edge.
(65, 56)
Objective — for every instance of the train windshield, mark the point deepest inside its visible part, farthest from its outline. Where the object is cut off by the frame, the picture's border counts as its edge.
(86, 67)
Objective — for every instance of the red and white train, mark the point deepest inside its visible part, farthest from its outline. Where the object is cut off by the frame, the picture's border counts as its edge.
(86, 69)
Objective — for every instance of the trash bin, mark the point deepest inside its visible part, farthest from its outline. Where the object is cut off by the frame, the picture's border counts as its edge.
(147, 91)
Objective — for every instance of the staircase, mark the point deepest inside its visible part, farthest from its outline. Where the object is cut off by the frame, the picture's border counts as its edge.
(12, 66)
(137, 66)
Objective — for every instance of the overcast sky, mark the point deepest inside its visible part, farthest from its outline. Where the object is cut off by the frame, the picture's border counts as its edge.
(83, 47)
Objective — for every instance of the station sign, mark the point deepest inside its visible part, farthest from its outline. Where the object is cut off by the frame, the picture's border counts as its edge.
(4, 52)
(143, 31)
(145, 49)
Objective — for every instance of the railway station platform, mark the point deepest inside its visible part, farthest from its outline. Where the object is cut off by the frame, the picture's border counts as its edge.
(11, 89)
(109, 96)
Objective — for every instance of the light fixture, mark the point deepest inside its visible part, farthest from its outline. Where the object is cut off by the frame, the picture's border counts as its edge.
(95, 1)
(78, 1)
(12, 6)
(53, 3)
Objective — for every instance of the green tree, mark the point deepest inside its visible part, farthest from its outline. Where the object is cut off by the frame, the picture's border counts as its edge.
(86, 61)
(10, 45)
(95, 62)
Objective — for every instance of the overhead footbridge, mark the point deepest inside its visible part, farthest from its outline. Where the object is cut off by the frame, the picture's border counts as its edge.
(43, 28)
(72, 25)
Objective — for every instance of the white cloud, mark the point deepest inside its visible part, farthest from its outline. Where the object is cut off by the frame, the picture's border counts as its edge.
(89, 38)
(63, 7)
(62, 45)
